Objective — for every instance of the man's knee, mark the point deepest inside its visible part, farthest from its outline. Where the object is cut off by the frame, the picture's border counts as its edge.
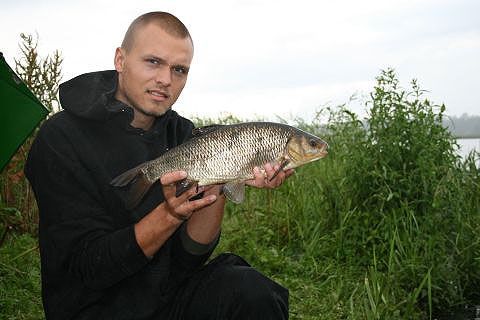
(234, 291)
(256, 294)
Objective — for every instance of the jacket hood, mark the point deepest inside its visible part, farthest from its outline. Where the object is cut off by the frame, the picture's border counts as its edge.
(91, 95)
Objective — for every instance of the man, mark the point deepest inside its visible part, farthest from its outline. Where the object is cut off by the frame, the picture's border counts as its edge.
(102, 261)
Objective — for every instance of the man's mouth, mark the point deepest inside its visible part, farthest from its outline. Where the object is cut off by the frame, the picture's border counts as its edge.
(158, 94)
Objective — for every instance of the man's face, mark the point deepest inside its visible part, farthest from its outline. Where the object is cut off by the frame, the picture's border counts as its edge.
(153, 72)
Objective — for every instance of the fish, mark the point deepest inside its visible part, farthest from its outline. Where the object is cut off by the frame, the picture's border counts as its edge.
(225, 154)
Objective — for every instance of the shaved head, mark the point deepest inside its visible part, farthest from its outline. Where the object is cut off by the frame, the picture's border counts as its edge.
(168, 22)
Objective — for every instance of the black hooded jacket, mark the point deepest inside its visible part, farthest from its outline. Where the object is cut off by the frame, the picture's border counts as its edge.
(92, 266)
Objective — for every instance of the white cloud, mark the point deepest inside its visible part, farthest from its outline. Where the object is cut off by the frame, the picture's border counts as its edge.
(271, 102)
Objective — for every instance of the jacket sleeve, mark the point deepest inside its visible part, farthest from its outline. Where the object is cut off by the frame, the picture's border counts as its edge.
(77, 235)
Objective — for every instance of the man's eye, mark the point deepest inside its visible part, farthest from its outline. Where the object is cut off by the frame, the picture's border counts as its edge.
(180, 70)
(152, 61)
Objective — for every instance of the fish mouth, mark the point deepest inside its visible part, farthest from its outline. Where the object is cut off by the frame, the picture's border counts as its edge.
(316, 153)
(323, 151)
(158, 95)
(322, 154)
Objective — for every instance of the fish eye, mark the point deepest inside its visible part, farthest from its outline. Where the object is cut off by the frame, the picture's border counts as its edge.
(313, 143)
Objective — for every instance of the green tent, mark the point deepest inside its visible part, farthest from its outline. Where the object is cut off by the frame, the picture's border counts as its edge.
(20, 112)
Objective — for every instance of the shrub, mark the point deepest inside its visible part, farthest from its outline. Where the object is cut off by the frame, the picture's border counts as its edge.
(412, 204)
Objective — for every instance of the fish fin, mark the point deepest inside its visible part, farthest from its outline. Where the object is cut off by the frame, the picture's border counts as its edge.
(206, 129)
(138, 189)
(235, 191)
(282, 165)
(139, 185)
(183, 185)
(125, 178)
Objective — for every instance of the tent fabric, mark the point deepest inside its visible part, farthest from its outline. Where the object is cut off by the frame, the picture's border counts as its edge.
(20, 112)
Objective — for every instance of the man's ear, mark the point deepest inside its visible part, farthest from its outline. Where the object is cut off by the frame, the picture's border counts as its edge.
(119, 60)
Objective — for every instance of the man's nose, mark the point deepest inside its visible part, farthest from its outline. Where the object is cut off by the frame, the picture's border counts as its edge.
(163, 76)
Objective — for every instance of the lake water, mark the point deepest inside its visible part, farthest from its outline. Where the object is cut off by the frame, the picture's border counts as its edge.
(467, 145)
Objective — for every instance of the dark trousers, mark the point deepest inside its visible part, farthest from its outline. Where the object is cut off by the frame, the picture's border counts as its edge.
(228, 288)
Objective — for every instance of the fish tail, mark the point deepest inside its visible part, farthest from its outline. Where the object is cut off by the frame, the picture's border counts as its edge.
(138, 189)
(139, 186)
(126, 178)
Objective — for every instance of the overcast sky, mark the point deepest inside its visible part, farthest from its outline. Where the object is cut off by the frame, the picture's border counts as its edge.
(267, 57)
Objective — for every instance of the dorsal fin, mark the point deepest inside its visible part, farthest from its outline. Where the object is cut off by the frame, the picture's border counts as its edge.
(206, 129)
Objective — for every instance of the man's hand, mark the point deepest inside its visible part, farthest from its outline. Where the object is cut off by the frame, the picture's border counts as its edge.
(180, 207)
(262, 178)
(156, 227)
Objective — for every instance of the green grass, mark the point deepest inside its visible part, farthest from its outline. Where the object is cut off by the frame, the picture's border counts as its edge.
(20, 278)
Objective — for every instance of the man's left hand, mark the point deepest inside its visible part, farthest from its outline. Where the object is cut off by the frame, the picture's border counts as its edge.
(262, 178)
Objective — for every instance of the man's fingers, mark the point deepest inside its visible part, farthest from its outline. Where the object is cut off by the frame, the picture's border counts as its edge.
(170, 178)
(169, 186)
(185, 209)
(259, 177)
(278, 180)
(173, 200)
(270, 171)
(262, 177)
(190, 206)
(180, 207)
(289, 172)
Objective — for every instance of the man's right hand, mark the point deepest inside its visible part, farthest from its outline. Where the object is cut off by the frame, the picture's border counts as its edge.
(156, 227)
(180, 207)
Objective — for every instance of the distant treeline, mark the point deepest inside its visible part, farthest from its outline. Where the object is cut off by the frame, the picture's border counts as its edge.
(465, 126)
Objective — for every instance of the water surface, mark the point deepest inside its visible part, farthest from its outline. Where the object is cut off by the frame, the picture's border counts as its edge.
(467, 146)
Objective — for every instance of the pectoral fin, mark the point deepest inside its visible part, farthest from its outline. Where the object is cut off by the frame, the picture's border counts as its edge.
(235, 191)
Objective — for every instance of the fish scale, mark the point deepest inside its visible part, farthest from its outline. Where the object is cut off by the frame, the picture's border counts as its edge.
(227, 154)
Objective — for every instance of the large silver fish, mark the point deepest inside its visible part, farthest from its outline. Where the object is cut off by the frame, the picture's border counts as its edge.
(226, 154)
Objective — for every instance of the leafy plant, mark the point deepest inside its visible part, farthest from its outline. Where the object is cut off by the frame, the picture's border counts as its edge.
(407, 196)
(41, 75)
